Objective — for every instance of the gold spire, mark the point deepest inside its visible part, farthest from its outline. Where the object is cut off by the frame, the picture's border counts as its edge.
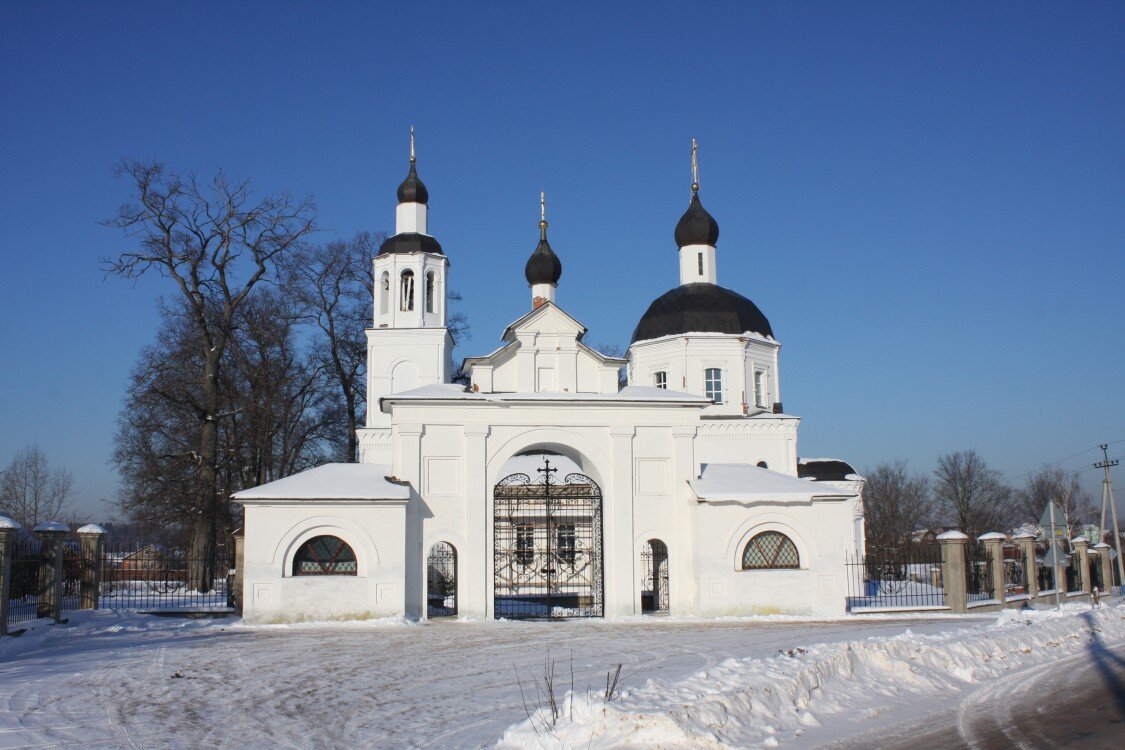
(411, 144)
(694, 167)
(542, 215)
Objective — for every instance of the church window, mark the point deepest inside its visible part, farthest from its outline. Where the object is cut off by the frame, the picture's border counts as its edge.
(430, 292)
(525, 544)
(406, 295)
(660, 379)
(770, 550)
(760, 388)
(385, 294)
(564, 543)
(325, 556)
(713, 384)
(763, 465)
(700, 259)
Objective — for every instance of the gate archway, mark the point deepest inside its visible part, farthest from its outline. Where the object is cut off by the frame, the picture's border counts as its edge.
(547, 546)
(441, 581)
(654, 577)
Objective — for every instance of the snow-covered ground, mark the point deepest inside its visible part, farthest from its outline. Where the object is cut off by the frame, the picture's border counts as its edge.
(111, 679)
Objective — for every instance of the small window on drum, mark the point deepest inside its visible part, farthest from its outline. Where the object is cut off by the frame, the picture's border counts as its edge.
(713, 384)
(770, 550)
(325, 556)
(660, 379)
(763, 465)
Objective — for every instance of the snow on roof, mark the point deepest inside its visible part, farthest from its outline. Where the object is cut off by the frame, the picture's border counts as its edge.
(630, 393)
(52, 526)
(332, 482)
(745, 481)
(91, 528)
(8, 523)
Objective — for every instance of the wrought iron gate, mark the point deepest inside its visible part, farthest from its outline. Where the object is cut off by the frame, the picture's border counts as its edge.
(654, 576)
(441, 581)
(547, 546)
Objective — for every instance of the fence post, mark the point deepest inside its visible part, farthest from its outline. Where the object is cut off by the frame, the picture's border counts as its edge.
(1107, 567)
(994, 543)
(953, 569)
(1031, 570)
(1081, 551)
(8, 529)
(234, 592)
(91, 536)
(49, 594)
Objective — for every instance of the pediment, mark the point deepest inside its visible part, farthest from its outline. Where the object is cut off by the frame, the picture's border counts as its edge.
(548, 318)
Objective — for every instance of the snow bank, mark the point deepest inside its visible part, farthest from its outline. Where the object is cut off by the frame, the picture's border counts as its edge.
(765, 702)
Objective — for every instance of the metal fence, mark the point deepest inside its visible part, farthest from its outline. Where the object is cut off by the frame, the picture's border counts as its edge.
(978, 573)
(23, 600)
(908, 577)
(1046, 573)
(1015, 571)
(153, 577)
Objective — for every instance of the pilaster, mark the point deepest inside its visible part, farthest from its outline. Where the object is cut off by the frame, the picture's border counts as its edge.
(474, 574)
(617, 541)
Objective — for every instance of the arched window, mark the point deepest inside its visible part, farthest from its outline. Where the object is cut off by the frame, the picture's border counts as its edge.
(406, 293)
(325, 556)
(763, 465)
(770, 550)
(385, 294)
(713, 384)
(430, 281)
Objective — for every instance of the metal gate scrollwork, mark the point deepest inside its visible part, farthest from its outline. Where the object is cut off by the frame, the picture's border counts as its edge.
(547, 546)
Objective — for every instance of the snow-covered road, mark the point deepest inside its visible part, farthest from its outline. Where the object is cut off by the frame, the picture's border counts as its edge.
(118, 680)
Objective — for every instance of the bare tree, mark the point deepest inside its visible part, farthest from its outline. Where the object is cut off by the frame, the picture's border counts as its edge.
(216, 241)
(896, 502)
(334, 281)
(1062, 487)
(31, 492)
(970, 495)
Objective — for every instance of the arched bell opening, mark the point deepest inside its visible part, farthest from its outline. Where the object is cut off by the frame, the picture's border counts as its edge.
(654, 577)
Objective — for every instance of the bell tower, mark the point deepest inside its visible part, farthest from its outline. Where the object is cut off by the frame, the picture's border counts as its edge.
(409, 344)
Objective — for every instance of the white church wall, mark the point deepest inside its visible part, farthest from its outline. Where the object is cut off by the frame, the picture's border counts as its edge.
(821, 533)
(402, 359)
(376, 532)
(747, 441)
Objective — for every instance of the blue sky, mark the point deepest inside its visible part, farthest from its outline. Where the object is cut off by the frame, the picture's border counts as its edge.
(926, 200)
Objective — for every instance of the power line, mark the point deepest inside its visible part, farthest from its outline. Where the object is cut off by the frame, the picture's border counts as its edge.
(1062, 460)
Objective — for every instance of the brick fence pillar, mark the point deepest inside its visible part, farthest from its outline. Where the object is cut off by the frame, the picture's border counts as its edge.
(993, 543)
(953, 575)
(1030, 567)
(92, 537)
(1081, 552)
(1107, 566)
(8, 529)
(49, 588)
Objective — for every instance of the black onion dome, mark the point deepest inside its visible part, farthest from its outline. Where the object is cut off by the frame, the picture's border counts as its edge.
(700, 308)
(412, 190)
(543, 267)
(696, 226)
(410, 242)
(824, 470)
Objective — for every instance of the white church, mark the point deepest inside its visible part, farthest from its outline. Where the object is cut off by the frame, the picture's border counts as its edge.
(544, 488)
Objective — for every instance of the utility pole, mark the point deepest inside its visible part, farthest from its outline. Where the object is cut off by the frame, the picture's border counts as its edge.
(1107, 499)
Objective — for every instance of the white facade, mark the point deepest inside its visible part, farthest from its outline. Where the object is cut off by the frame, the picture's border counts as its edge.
(694, 452)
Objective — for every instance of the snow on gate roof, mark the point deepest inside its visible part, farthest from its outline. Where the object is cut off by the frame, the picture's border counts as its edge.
(747, 482)
(331, 482)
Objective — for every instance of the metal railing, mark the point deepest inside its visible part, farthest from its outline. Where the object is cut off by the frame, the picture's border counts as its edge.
(909, 578)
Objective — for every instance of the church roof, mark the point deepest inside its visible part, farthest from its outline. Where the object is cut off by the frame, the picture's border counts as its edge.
(701, 308)
(410, 242)
(747, 482)
(331, 482)
(825, 469)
